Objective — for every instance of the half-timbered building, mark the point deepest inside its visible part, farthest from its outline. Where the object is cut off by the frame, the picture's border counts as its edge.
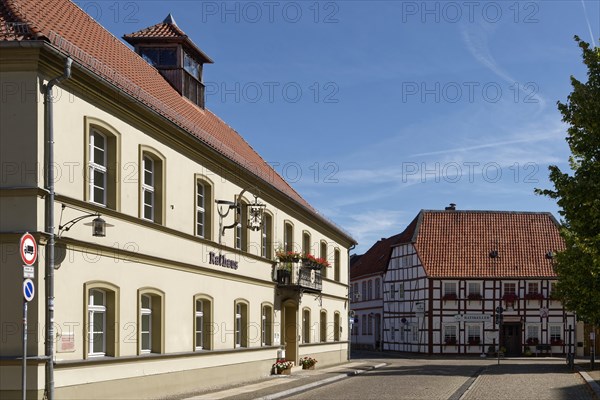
(470, 282)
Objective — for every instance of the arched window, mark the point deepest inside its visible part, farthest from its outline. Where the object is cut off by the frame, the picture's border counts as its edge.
(336, 265)
(288, 236)
(151, 321)
(102, 172)
(202, 322)
(101, 320)
(203, 208)
(152, 185)
(306, 325)
(267, 325)
(241, 323)
(337, 326)
(306, 245)
(267, 236)
(377, 288)
(241, 229)
(323, 254)
(323, 326)
(369, 290)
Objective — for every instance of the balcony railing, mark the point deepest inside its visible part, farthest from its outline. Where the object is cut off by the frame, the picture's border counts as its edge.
(294, 276)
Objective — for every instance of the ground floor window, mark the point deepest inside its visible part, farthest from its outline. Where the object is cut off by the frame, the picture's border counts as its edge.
(474, 334)
(450, 334)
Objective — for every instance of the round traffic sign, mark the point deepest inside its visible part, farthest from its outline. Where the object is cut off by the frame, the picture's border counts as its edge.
(28, 249)
(28, 289)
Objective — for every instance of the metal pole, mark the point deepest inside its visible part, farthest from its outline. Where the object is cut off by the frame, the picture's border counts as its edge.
(24, 368)
(49, 345)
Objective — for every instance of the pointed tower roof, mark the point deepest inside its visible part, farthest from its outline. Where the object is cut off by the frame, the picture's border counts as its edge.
(166, 31)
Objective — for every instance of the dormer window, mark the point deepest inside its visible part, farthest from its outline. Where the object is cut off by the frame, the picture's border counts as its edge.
(159, 56)
(168, 49)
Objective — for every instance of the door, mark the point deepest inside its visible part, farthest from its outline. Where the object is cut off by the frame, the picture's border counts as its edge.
(511, 338)
(377, 331)
(290, 331)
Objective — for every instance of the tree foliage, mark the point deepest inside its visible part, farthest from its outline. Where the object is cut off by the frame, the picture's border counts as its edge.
(578, 194)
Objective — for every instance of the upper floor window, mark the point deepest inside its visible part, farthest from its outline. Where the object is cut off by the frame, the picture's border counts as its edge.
(241, 229)
(533, 288)
(203, 209)
(377, 288)
(102, 170)
(336, 265)
(510, 288)
(267, 236)
(306, 245)
(288, 237)
(98, 168)
(323, 254)
(364, 291)
(160, 56)
(369, 290)
(152, 186)
(148, 188)
(474, 289)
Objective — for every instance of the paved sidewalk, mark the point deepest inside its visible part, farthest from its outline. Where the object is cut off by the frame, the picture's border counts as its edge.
(524, 379)
(281, 386)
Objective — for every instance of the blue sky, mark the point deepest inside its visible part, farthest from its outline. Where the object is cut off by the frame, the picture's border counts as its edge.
(374, 110)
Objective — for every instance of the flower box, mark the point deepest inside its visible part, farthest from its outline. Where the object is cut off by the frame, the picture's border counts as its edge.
(474, 342)
(312, 262)
(282, 367)
(308, 362)
(534, 296)
(450, 342)
(450, 296)
(510, 297)
(288, 256)
(533, 341)
(474, 296)
(556, 342)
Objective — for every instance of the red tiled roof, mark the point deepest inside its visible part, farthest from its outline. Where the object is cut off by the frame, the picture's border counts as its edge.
(458, 243)
(376, 259)
(67, 27)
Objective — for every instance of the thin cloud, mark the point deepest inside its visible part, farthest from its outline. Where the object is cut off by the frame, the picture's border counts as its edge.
(477, 44)
(588, 22)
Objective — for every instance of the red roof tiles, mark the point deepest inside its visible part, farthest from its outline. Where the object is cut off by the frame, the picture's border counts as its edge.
(458, 243)
(70, 29)
(376, 259)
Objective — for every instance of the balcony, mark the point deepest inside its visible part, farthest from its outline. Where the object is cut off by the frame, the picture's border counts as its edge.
(291, 275)
(185, 84)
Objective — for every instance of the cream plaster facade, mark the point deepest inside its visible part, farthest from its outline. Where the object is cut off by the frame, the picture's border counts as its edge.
(165, 260)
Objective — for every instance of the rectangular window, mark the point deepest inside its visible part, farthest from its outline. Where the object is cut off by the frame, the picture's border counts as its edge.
(474, 334)
(323, 326)
(364, 291)
(288, 237)
(148, 188)
(370, 290)
(414, 332)
(97, 323)
(146, 326)
(377, 288)
(555, 334)
(510, 288)
(266, 236)
(474, 288)
(401, 291)
(370, 325)
(450, 288)
(392, 291)
(450, 334)
(533, 288)
(98, 168)
(200, 209)
(393, 333)
(364, 324)
(533, 334)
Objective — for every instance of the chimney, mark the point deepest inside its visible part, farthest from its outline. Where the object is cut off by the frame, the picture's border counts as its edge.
(451, 207)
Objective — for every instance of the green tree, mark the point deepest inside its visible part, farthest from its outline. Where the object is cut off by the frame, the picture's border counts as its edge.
(578, 194)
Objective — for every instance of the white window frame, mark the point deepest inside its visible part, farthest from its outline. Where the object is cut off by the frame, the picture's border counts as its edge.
(200, 209)
(98, 166)
(447, 334)
(414, 333)
(370, 289)
(93, 310)
(472, 285)
(238, 325)
(149, 166)
(306, 326)
(558, 328)
(450, 284)
(473, 331)
(505, 286)
(535, 285)
(199, 321)
(377, 288)
(532, 331)
(264, 237)
(146, 312)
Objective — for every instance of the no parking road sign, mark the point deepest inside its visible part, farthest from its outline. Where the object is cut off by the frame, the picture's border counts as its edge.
(28, 249)
(28, 289)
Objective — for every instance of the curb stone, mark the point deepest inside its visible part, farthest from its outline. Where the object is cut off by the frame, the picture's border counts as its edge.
(591, 382)
(322, 382)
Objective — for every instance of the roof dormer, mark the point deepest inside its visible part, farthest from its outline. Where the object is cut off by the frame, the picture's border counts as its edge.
(174, 55)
